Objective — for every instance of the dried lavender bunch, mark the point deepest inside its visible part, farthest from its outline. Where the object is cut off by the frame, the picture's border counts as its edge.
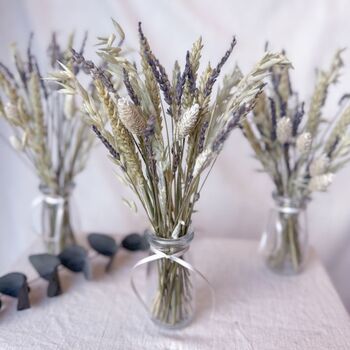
(168, 130)
(295, 144)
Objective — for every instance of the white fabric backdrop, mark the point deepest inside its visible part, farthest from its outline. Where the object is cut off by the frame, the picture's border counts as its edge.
(236, 199)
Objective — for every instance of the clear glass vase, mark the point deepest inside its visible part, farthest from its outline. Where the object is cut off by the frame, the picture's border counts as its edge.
(284, 243)
(170, 286)
(55, 226)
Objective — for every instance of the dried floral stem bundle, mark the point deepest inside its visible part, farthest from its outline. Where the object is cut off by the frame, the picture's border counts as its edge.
(49, 131)
(47, 127)
(164, 133)
(296, 145)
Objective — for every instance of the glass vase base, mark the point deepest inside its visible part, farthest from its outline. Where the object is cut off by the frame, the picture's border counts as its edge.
(284, 244)
(285, 267)
(172, 327)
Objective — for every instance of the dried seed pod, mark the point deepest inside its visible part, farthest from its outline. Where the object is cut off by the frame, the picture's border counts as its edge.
(188, 121)
(304, 142)
(15, 143)
(19, 144)
(131, 117)
(11, 111)
(319, 166)
(320, 182)
(284, 130)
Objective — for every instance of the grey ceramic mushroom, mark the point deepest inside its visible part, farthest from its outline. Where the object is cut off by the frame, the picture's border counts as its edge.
(47, 267)
(15, 284)
(104, 245)
(75, 258)
(135, 242)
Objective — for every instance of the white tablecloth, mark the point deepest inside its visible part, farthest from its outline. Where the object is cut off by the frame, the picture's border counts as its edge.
(255, 309)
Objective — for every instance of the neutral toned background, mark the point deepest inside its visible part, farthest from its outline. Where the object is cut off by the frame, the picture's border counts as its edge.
(236, 199)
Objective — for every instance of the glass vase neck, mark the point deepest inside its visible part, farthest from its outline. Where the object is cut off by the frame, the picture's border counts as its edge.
(164, 244)
(294, 203)
(63, 191)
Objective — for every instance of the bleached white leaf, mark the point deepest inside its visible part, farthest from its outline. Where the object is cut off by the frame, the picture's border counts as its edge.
(130, 204)
(122, 179)
(177, 229)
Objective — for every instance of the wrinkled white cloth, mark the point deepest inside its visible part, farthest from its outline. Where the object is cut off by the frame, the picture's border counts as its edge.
(255, 309)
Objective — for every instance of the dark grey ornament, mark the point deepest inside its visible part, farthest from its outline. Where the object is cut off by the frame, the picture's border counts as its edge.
(15, 285)
(47, 267)
(104, 245)
(75, 258)
(135, 242)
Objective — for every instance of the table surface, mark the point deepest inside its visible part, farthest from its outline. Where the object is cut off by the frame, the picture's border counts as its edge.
(255, 309)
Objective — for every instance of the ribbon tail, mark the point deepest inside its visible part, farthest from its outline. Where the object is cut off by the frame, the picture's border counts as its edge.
(143, 261)
(193, 269)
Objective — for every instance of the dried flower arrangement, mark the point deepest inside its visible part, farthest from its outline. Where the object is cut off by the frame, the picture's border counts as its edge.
(299, 155)
(163, 134)
(47, 128)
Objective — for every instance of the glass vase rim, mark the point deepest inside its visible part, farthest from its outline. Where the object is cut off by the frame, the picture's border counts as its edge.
(184, 240)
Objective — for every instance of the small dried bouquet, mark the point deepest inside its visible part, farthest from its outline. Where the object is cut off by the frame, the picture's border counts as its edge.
(164, 133)
(300, 151)
(48, 130)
